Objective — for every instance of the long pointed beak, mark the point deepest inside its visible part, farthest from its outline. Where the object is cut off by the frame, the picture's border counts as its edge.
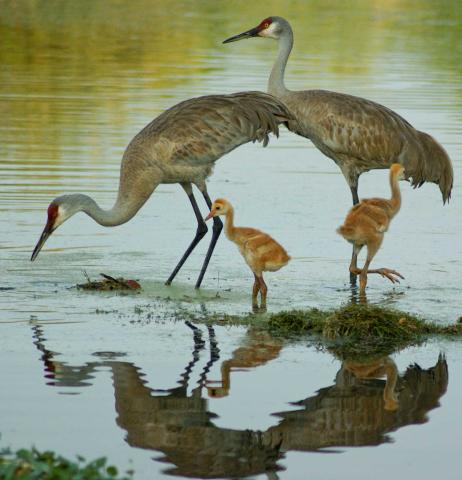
(253, 32)
(209, 216)
(47, 231)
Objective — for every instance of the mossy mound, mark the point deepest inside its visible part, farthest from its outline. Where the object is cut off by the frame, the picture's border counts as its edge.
(359, 329)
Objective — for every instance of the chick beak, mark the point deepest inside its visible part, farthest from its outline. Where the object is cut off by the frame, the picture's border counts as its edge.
(253, 32)
(210, 215)
(47, 231)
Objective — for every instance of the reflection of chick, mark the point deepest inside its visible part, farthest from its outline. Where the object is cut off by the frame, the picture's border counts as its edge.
(366, 224)
(384, 366)
(261, 252)
(260, 348)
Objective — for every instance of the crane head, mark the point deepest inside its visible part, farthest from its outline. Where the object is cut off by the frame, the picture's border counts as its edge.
(57, 214)
(270, 27)
(219, 207)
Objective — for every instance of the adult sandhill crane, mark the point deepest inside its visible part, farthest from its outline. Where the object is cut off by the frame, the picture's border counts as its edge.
(366, 224)
(179, 146)
(260, 251)
(359, 135)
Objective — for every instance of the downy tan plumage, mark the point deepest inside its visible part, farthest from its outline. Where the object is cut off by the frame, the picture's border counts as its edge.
(366, 224)
(260, 251)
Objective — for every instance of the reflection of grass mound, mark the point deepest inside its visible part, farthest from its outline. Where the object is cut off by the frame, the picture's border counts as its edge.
(359, 328)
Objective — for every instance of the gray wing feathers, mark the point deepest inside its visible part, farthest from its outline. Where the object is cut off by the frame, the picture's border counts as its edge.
(203, 129)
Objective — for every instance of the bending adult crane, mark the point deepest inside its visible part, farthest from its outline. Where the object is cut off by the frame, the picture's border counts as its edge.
(358, 134)
(179, 146)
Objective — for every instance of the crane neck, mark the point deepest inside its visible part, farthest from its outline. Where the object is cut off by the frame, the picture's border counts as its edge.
(229, 224)
(120, 213)
(395, 193)
(276, 84)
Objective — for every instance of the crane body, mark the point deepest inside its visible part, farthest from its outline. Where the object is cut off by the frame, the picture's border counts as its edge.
(358, 134)
(179, 146)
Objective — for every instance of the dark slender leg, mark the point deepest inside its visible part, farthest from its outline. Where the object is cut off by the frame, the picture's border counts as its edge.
(200, 232)
(354, 194)
(216, 230)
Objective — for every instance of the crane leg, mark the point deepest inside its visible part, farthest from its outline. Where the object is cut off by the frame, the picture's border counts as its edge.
(354, 194)
(200, 232)
(216, 230)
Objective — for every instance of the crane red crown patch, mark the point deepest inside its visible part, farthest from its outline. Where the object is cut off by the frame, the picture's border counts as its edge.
(52, 213)
(265, 23)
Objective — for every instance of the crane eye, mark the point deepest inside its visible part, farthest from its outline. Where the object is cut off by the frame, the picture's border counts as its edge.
(266, 25)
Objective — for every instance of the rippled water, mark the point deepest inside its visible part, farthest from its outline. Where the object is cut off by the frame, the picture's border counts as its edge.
(77, 81)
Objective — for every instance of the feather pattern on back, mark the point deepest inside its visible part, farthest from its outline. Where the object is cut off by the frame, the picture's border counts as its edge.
(360, 135)
(182, 144)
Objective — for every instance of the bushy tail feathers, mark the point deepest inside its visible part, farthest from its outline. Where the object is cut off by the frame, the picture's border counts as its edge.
(432, 165)
(264, 113)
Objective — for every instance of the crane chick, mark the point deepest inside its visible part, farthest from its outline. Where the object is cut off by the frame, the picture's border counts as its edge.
(366, 224)
(260, 251)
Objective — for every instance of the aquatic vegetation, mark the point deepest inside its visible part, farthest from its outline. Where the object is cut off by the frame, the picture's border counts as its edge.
(109, 283)
(360, 328)
(32, 464)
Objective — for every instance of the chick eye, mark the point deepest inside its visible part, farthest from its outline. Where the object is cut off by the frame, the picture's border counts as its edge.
(218, 208)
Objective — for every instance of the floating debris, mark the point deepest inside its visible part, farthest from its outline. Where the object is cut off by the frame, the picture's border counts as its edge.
(109, 283)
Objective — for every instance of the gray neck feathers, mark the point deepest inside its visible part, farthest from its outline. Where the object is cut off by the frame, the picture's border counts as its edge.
(120, 213)
(276, 81)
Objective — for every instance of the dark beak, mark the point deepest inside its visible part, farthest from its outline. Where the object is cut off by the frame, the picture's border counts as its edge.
(253, 32)
(47, 231)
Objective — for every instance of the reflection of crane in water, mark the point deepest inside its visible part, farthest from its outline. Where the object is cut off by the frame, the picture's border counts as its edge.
(352, 412)
(171, 421)
(361, 410)
(258, 349)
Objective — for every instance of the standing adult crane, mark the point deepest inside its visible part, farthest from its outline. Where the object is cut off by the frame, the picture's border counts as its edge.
(358, 134)
(179, 146)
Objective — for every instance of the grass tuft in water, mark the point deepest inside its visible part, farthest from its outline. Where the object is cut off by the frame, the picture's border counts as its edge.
(310, 321)
(359, 329)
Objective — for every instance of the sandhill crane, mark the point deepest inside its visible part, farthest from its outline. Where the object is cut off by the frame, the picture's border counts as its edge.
(179, 146)
(260, 251)
(358, 134)
(366, 224)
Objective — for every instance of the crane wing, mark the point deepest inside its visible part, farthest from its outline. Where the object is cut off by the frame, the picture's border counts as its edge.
(201, 130)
